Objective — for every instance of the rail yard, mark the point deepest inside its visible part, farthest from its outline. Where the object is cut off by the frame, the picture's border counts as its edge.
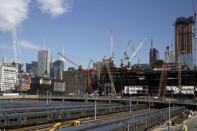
(151, 85)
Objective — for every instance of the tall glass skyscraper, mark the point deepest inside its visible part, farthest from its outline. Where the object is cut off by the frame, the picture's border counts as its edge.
(44, 63)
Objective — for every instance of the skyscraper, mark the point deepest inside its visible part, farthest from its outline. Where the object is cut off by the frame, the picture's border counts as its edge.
(184, 33)
(57, 68)
(169, 55)
(32, 67)
(44, 63)
(154, 55)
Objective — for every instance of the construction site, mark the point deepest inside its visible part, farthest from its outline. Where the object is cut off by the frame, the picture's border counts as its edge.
(175, 76)
(155, 93)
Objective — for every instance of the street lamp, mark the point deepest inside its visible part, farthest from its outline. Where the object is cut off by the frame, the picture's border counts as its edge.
(169, 117)
(47, 97)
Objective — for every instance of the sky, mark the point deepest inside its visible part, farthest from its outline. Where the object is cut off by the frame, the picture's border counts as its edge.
(82, 27)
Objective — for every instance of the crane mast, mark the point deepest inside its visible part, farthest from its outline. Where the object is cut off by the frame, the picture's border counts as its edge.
(110, 78)
(135, 51)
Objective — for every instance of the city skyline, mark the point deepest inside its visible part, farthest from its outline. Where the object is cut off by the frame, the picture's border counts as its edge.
(82, 28)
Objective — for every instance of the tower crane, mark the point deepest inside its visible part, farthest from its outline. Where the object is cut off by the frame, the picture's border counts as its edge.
(91, 61)
(16, 47)
(163, 79)
(126, 56)
(110, 78)
(135, 51)
(112, 45)
(89, 78)
(76, 65)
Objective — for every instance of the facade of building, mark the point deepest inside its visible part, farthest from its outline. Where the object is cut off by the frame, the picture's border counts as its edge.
(154, 55)
(75, 82)
(8, 78)
(32, 67)
(58, 86)
(143, 82)
(44, 63)
(184, 40)
(41, 85)
(100, 64)
(24, 82)
(57, 68)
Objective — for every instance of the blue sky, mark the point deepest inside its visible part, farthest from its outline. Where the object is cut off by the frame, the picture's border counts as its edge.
(83, 27)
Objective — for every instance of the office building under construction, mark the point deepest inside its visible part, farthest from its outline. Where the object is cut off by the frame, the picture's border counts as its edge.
(142, 82)
(184, 41)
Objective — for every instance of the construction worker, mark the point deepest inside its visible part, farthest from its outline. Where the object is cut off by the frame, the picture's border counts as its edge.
(184, 127)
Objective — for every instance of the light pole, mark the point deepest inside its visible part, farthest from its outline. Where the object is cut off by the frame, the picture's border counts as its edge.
(130, 106)
(50, 96)
(149, 102)
(95, 110)
(169, 117)
(47, 97)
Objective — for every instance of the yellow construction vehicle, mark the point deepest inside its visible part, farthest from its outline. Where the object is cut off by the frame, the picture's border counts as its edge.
(75, 123)
(56, 126)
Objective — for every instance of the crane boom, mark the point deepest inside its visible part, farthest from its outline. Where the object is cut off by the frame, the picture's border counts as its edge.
(126, 51)
(137, 49)
(69, 60)
(112, 44)
(91, 61)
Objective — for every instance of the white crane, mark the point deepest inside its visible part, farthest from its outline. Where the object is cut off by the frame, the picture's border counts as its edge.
(135, 51)
(126, 56)
(16, 47)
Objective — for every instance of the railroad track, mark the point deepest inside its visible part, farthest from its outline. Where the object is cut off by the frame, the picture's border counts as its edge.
(137, 122)
(65, 124)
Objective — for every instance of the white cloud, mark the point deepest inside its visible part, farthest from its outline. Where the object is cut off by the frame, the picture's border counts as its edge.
(16, 11)
(54, 7)
(29, 45)
(5, 46)
(12, 12)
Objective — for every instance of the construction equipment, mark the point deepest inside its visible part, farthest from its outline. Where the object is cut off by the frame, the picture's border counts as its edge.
(110, 78)
(135, 51)
(87, 72)
(163, 80)
(57, 126)
(112, 45)
(89, 78)
(126, 56)
(16, 47)
(76, 65)
(75, 123)
(91, 61)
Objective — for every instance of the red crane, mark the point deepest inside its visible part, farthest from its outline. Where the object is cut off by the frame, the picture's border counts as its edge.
(76, 65)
